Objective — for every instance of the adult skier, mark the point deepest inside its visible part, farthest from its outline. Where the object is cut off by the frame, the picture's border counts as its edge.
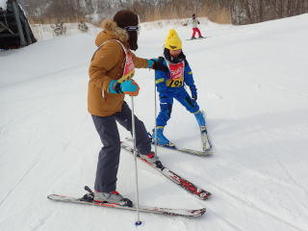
(111, 69)
(195, 27)
(171, 85)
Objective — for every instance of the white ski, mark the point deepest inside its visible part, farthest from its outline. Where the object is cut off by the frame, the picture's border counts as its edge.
(181, 149)
(192, 213)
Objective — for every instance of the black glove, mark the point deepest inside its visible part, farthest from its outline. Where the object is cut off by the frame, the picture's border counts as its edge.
(159, 65)
(194, 94)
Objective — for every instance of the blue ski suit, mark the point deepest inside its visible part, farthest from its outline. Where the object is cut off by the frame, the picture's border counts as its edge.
(174, 89)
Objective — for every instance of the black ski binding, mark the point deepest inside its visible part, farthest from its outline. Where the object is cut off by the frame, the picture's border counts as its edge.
(89, 197)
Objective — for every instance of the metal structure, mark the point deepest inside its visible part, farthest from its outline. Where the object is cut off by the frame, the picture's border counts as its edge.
(15, 31)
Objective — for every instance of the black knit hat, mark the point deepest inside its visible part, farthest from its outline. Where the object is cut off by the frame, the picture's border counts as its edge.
(127, 20)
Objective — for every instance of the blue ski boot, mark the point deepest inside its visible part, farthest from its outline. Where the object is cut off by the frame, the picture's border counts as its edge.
(206, 143)
(160, 138)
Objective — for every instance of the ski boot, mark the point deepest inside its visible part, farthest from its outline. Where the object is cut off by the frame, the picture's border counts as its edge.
(159, 137)
(112, 197)
(207, 146)
(103, 197)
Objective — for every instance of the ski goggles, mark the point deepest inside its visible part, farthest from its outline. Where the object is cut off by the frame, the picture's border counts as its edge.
(131, 28)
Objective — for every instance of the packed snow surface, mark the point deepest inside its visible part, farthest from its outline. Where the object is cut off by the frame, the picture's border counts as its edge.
(252, 83)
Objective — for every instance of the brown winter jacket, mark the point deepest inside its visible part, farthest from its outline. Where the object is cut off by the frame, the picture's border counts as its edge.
(107, 64)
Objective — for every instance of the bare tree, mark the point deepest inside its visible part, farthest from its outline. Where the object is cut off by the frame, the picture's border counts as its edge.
(236, 11)
(252, 11)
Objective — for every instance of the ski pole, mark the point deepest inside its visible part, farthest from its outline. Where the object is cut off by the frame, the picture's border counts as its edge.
(155, 114)
(138, 222)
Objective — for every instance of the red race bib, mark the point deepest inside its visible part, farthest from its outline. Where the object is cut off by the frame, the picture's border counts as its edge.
(176, 70)
(176, 78)
(129, 66)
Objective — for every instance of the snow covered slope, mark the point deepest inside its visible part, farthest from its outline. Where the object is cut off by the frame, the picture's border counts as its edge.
(252, 83)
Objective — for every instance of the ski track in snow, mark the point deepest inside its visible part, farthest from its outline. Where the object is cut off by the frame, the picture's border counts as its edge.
(295, 182)
(269, 177)
(254, 206)
(230, 224)
(257, 208)
(42, 221)
(18, 182)
(249, 202)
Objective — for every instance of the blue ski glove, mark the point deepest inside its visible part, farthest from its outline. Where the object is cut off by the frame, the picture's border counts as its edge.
(129, 87)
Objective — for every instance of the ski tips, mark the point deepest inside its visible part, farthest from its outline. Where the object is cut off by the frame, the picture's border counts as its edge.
(201, 211)
(205, 195)
(53, 196)
(197, 213)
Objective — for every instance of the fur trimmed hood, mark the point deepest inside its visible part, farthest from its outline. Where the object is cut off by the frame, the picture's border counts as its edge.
(111, 31)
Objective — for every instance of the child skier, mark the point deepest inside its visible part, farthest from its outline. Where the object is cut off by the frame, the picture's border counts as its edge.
(195, 22)
(170, 85)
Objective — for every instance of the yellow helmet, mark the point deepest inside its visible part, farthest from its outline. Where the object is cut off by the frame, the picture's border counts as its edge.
(173, 41)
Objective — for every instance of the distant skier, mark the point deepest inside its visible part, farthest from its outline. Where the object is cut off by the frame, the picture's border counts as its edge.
(111, 69)
(195, 29)
(170, 85)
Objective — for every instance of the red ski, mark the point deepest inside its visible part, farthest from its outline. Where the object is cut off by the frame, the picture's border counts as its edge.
(182, 182)
(190, 213)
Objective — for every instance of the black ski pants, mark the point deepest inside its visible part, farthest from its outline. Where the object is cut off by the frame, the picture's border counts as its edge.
(109, 155)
